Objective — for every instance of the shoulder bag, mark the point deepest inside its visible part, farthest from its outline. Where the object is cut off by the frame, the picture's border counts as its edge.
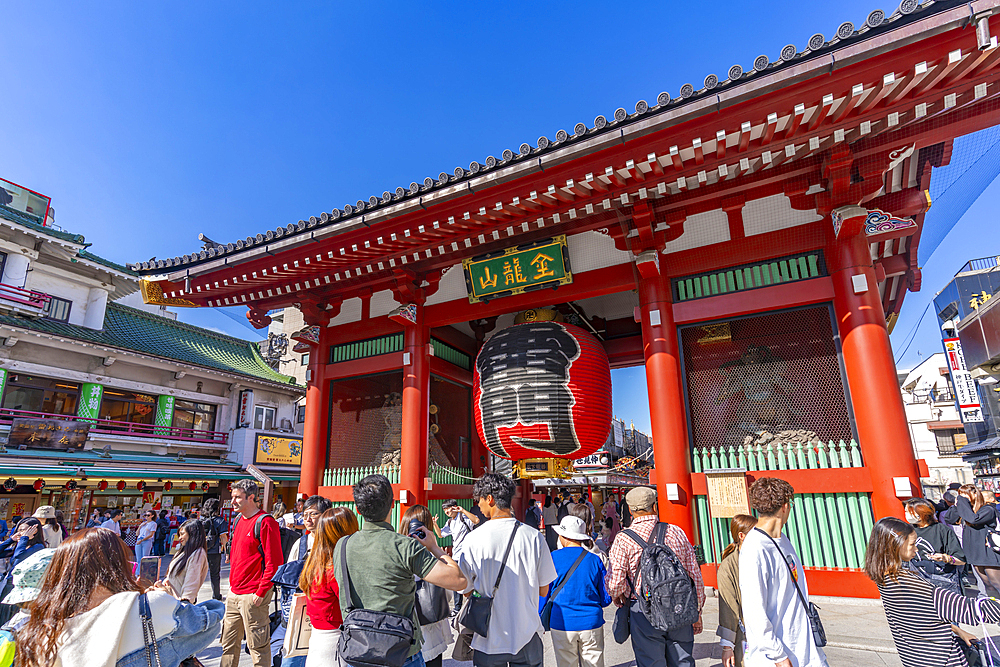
(546, 614)
(148, 633)
(432, 603)
(371, 638)
(812, 611)
(476, 611)
(288, 573)
(621, 629)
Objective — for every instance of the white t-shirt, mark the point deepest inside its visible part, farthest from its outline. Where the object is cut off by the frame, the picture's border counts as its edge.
(112, 525)
(53, 536)
(777, 625)
(529, 567)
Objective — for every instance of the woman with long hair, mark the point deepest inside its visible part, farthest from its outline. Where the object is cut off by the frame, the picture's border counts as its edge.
(977, 519)
(320, 586)
(436, 630)
(922, 617)
(28, 538)
(87, 612)
(730, 630)
(189, 566)
(144, 536)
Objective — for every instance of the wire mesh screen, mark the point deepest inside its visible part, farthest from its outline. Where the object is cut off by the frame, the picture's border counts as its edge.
(766, 379)
(366, 422)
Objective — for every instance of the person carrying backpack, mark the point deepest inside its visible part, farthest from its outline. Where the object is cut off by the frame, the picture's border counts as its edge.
(216, 537)
(255, 557)
(655, 575)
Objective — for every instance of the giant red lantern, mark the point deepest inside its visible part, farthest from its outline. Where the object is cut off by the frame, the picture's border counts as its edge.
(542, 390)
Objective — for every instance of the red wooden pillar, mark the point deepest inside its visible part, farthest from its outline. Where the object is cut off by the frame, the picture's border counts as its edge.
(314, 442)
(871, 372)
(666, 402)
(416, 403)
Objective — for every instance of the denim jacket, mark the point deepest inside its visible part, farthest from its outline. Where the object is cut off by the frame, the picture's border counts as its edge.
(110, 635)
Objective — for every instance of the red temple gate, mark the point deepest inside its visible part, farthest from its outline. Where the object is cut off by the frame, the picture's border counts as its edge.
(750, 243)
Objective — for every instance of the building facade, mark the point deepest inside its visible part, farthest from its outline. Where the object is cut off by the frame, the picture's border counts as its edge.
(970, 330)
(935, 425)
(104, 404)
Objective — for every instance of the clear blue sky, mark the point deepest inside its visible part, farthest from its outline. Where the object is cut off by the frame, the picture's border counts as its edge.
(148, 123)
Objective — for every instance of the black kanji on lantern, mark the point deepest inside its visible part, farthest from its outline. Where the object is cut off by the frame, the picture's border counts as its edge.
(524, 384)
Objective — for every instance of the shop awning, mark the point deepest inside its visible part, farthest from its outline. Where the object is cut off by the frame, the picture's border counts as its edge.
(945, 425)
(118, 466)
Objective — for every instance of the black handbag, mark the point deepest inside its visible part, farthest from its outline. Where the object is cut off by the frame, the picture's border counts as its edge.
(812, 611)
(432, 603)
(621, 629)
(546, 613)
(476, 611)
(371, 638)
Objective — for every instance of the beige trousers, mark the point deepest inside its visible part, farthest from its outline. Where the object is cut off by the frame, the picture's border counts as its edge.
(580, 647)
(242, 618)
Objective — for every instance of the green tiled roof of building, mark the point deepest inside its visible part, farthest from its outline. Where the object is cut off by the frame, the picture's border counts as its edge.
(138, 331)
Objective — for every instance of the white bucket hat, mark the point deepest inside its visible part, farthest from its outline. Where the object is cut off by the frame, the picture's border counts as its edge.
(572, 528)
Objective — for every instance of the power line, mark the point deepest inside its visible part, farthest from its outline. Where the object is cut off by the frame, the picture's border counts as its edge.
(913, 332)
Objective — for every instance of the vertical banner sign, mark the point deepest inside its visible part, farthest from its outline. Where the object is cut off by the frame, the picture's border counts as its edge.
(965, 387)
(90, 401)
(164, 412)
(3, 381)
(246, 408)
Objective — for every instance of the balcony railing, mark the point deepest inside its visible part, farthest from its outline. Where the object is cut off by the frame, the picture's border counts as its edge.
(24, 300)
(110, 426)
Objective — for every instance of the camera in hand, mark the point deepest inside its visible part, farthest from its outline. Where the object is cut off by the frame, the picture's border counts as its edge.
(417, 529)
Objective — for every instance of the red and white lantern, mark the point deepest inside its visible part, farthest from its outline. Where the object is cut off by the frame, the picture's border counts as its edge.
(167, 486)
(121, 485)
(192, 486)
(102, 485)
(140, 486)
(205, 486)
(39, 484)
(542, 390)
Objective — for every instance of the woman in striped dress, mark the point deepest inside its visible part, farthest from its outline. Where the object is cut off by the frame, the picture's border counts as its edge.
(921, 616)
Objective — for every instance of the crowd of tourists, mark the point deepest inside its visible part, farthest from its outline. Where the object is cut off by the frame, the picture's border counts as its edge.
(374, 595)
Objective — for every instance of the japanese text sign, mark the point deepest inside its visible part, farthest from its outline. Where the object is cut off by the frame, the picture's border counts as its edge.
(965, 386)
(48, 433)
(517, 270)
(278, 450)
(727, 493)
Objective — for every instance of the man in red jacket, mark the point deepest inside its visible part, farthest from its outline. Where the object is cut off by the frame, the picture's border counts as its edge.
(255, 554)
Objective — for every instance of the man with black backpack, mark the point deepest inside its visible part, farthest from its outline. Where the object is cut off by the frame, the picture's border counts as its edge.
(655, 576)
(254, 558)
(216, 536)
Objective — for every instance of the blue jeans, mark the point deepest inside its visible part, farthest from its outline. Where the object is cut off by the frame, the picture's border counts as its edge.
(415, 660)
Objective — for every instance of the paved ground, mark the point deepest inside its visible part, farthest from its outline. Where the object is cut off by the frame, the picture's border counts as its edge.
(856, 629)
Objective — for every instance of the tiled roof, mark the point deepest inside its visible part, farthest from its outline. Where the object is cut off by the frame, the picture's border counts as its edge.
(33, 223)
(877, 22)
(138, 331)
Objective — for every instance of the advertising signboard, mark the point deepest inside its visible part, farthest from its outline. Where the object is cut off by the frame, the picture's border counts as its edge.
(966, 392)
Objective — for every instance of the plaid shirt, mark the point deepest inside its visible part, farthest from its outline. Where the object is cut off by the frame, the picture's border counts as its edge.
(625, 554)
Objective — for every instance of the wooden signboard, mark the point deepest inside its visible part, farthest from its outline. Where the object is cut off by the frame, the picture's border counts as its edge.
(727, 493)
(517, 270)
(47, 433)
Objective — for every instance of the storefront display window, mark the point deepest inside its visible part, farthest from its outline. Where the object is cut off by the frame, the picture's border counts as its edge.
(196, 416)
(36, 394)
(126, 406)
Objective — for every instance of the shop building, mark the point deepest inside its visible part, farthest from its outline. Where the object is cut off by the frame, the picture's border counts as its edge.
(750, 242)
(935, 425)
(103, 404)
(970, 326)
